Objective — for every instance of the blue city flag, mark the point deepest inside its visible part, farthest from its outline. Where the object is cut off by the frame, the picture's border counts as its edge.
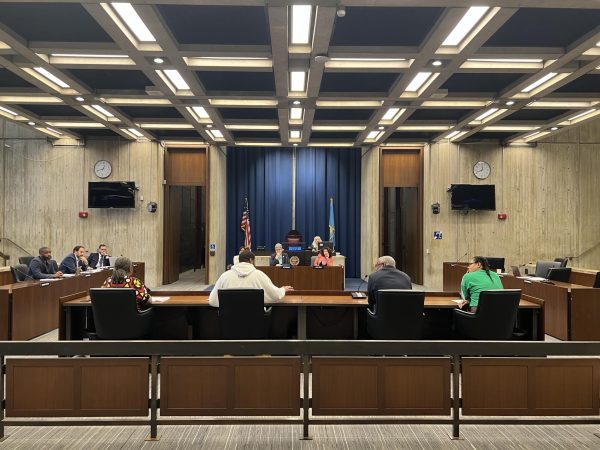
(331, 223)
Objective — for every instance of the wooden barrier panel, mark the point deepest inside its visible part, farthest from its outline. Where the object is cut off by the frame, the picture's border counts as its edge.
(530, 387)
(90, 387)
(585, 314)
(255, 386)
(380, 386)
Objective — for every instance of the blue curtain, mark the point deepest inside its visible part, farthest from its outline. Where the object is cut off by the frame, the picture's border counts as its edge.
(322, 173)
(265, 176)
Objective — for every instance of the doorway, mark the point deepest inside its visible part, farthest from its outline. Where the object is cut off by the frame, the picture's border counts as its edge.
(401, 221)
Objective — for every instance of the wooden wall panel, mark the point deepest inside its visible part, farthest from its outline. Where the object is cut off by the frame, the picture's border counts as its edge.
(380, 386)
(403, 171)
(230, 386)
(186, 167)
(369, 210)
(217, 223)
(530, 386)
(96, 387)
(585, 314)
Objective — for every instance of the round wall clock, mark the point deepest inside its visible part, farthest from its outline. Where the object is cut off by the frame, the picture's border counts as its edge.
(481, 170)
(102, 169)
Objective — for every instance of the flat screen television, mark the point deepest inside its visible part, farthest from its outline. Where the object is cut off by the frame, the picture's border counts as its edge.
(111, 194)
(466, 197)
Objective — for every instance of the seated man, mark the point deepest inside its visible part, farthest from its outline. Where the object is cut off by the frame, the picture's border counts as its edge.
(386, 276)
(74, 261)
(245, 275)
(99, 259)
(40, 266)
(279, 257)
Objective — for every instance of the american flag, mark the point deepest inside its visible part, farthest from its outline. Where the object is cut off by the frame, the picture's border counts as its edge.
(245, 225)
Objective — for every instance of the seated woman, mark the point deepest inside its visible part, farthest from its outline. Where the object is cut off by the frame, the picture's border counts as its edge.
(279, 257)
(478, 278)
(324, 258)
(121, 278)
(315, 243)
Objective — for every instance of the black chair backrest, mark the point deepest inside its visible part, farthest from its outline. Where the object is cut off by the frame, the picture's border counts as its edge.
(559, 274)
(54, 265)
(542, 268)
(597, 280)
(495, 263)
(242, 314)
(19, 272)
(25, 260)
(497, 313)
(398, 314)
(116, 315)
(563, 261)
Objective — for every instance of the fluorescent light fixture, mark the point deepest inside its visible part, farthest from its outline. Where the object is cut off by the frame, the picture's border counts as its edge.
(458, 135)
(423, 127)
(510, 128)
(40, 98)
(330, 144)
(368, 63)
(348, 103)
(9, 111)
(133, 21)
(241, 102)
(257, 144)
(580, 115)
(454, 103)
(560, 104)
(103, 110)
(489, 112)
(374, 135)
(43, 72)
(295, 134)
(296, 113)
(82, 55)
(418, 81)
(465, 25)
(31, 123)
(507, 60)
(452, 134)
(166, 126)
(301, 20)
(297, 81)
(535, 136)
(251, 126)
(175, 77)
(49, 131)
(224, 61)
(54, 131)
(436, 63)
(80, 99)
(390, 113)
(135, 132)
(338, 127)
(158, 60)
(510, 103)
(216, 134)
(539, 82)
(200, 112)
(76, 124)
(182, 144)
(553, 128)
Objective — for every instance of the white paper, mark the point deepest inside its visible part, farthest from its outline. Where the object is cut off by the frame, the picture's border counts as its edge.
(159, 299)
(43, 280)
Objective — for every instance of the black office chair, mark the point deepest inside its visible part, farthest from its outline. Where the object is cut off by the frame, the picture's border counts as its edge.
(495, 263)
(495, 317)
(563, 261)
(597, 280)
(54, 265)
(242, 314)
(19, 273)
(25, 260)
(398, 315)
(559, 274)
(542, 268)
(116, 315)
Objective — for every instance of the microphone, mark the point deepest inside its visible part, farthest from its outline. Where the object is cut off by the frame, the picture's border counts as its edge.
(357, 293)
(460, 259)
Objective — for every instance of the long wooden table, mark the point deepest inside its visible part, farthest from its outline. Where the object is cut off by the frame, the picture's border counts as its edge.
(302, 302)
(572, 311)
(31, 308)
(306, 278)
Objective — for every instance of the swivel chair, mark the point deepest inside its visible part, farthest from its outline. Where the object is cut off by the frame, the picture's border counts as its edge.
(542, 268)
(563, 261)
(116, 315)
(242, 314)
(25, 260)
(559, 274)
(398, 315)
(20, 272)
(494, 319)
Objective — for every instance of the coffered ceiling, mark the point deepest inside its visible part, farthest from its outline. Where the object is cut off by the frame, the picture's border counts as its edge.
(282, 72)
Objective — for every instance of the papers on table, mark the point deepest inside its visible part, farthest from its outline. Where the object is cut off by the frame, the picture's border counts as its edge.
(159, 299)
(43, 280)
(533, 278)
(68, 275)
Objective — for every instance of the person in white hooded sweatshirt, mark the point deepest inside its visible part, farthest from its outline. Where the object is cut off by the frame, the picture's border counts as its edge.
(245, 275)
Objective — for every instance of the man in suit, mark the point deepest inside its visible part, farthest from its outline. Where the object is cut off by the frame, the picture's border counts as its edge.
(279, 257)
(386, 276)
(99, 259)
(42, 267)
(74, 261)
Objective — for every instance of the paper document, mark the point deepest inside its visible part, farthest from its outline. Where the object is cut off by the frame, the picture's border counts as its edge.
(160, 299)
(69, 275)
(43, 280)
(533, 278)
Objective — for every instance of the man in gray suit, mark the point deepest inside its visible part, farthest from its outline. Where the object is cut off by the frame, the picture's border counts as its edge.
(386, 276)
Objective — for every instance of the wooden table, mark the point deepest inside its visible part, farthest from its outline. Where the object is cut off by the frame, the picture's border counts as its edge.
(307, 278)
(302, 301)
(571, 311)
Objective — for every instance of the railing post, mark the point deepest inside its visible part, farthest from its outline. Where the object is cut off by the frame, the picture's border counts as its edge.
(305, 396)
(2, 399)
(154, 360)
(455, 397)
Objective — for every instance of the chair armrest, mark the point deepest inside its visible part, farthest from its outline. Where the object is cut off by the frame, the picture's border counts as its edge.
(371, 314)
(460, 312)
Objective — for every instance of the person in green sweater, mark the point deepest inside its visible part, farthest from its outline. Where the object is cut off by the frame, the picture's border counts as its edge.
(478, 278)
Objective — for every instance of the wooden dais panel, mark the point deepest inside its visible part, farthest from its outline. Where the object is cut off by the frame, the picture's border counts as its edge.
(262, 386)
(381, 386)
(90, 387)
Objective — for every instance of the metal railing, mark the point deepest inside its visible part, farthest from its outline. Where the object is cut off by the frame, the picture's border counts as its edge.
(305, 349)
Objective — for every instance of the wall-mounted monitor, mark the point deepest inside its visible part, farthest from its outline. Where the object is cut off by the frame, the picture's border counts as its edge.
(467, 197)
(111, 194)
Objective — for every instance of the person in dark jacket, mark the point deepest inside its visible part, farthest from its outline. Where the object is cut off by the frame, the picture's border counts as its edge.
(386, 276)
(42, 266)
